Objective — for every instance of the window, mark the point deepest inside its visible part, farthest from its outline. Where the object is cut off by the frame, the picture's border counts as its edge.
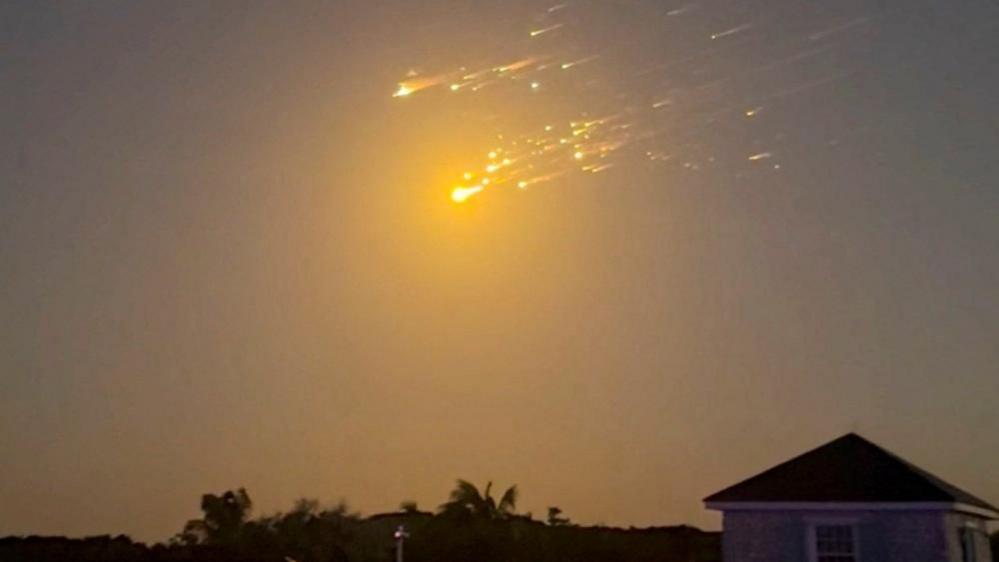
(968, 537)
(835, 543)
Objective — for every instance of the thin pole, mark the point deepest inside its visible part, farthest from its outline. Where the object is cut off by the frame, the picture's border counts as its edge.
(400, 536)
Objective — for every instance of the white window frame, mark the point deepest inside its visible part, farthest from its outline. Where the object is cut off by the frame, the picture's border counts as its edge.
(811, 535)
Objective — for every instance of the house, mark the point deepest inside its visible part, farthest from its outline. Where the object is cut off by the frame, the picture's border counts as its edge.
(851, 501)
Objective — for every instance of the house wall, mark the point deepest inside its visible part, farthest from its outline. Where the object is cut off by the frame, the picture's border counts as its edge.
(953, 523)
(884, 536)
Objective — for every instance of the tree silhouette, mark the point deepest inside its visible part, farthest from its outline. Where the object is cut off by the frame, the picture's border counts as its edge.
(554, 517)
(471, 526)
(310, 534)
(223, 518)
(466, 501)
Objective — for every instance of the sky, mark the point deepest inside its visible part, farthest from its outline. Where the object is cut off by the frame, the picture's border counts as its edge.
(232, 257)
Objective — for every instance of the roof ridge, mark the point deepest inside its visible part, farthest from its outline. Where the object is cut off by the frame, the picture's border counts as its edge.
(778, 466)
(850, 468)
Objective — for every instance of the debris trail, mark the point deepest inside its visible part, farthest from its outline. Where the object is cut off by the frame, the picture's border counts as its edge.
(837, 29)
(605, 115)
(732, 31)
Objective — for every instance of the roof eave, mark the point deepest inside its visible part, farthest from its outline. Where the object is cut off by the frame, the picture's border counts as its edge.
(982, 512)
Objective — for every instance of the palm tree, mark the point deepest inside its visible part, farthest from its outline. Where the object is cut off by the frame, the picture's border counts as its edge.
(466, 500)
(224, 518)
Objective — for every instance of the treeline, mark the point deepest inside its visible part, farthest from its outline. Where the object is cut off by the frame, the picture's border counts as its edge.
(472, 526)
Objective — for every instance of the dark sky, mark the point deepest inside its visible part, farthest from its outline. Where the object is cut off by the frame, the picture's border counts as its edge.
(229, 255)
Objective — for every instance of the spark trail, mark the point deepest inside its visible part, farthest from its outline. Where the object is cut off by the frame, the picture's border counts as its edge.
(671, 126)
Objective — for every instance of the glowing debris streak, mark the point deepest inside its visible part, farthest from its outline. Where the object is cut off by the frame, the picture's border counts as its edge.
(404, 90)
(570, 64)
(856, 22)
(461, 194)
(516, 65)
(732, 31)
(544, 30)
(679, 11)
(415, 84)
(662, 113)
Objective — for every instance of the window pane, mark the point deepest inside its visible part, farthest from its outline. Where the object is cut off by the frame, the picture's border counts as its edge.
(834, 543)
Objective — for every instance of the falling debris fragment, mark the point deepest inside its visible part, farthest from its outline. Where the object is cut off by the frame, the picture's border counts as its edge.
(461, 194)
(568, 65)
(600, 123)
(733, 31)
(544, 30)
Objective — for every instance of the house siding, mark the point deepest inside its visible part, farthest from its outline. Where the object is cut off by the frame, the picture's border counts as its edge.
(883, 536)
(953, 523)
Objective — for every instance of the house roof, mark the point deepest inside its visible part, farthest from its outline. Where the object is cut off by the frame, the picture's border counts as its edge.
(850, 469)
